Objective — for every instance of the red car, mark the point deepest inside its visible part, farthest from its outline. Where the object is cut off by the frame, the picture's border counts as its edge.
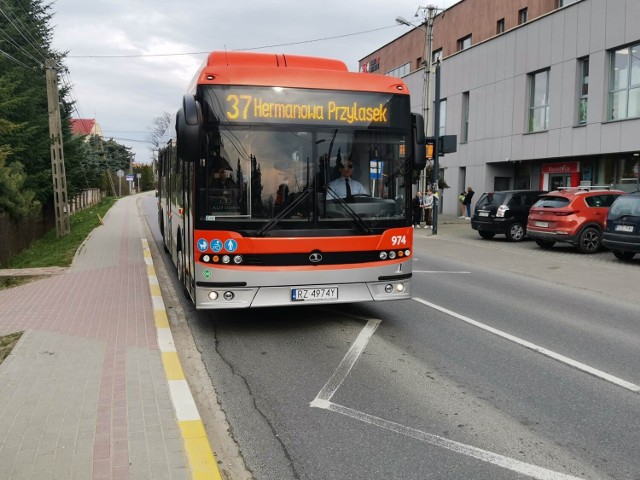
(572, 215)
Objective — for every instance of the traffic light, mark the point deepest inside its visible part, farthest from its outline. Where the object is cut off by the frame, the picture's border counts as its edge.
(430, 147)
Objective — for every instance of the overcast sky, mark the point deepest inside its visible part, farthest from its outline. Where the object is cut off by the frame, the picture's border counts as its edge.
(131, 60)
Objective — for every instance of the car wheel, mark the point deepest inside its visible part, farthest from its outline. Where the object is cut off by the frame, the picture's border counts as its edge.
(515, 233)
(624, 255)
(590, 240)
(546, 244)
(485, 234)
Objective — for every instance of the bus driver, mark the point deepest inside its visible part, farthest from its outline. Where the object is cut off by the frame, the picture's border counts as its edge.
(344, 186)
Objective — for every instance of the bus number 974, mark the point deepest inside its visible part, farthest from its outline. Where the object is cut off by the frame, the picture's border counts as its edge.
(399, 240)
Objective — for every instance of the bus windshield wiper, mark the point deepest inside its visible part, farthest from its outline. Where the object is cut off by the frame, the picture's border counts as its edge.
(354, 216)
(306, 193)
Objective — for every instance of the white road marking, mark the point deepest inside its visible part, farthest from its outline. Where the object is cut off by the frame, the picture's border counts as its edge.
(548, 353)
(323, 401)
(512, 464)
(346, 364)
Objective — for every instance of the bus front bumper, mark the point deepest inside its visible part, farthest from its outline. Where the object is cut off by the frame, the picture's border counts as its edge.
(272, 296)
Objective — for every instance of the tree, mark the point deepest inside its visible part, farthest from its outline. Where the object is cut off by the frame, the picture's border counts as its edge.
(25, 47)
(15, 200)
(159, 127)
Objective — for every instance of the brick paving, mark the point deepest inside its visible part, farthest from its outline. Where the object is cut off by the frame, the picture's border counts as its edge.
(84, 394)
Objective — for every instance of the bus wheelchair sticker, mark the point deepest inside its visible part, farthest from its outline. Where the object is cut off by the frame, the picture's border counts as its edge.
(216, 245)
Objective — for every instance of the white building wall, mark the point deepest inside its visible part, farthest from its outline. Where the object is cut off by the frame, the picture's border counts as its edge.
(496, 75)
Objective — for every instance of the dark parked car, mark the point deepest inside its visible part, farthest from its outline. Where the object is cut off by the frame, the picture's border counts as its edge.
(504, 213)
(622, 232)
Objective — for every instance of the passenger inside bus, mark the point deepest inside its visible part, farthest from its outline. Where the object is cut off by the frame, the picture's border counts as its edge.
(219, 178)
(223, 192)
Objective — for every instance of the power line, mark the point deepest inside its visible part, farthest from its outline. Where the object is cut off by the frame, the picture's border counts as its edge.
(15, 60)
(142, 55)
(20, 31)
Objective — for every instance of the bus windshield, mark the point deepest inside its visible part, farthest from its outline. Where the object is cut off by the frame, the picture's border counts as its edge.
(273, 175)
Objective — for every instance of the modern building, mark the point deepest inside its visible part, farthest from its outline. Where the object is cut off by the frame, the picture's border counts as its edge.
(551, 101)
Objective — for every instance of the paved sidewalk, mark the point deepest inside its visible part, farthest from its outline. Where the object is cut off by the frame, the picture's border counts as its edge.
(89, 392)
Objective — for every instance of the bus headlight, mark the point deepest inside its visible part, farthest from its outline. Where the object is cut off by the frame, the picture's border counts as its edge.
(400, 287)
(237, 259)
(226, 259)
(392, 255)
(388, 288)
(213, 296)
(383, 255)
(228, 295)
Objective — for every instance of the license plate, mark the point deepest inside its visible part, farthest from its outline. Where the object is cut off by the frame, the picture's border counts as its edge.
(541, 224)
(323, 293)
(624, 228)
(483, 214)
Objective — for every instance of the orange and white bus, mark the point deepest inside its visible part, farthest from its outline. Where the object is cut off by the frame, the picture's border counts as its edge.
(253, 202)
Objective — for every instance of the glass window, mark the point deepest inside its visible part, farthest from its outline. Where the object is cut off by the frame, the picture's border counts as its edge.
(443, 117)
(522, 16)
(436, 56)
(465, 117)
(539, 102)
(400, 71)
(500, 26)
(464, 43)
(624, 81)
(583, 65)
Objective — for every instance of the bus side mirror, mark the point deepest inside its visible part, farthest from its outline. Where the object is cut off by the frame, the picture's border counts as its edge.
(189, 133)
(419, 142)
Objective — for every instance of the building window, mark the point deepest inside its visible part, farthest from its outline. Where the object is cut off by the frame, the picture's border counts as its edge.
(465, 117)
(443, 117)
(522, 16)
(419, 63)
(436, 56)
(624, 83)
(400, 71)
(583, 89)
(564, 3)
(464, 43)
(539, 101)
(500, 26)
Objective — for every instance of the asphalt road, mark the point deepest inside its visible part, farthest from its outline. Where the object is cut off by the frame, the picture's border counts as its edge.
(509, 362)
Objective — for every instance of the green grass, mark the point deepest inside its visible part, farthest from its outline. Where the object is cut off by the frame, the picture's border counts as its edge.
(50, 251)
(7, 342)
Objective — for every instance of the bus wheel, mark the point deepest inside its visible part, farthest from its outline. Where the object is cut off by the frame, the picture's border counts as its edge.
(164, 241)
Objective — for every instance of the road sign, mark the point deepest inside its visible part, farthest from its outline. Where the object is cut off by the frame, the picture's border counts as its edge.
(120, 173)
(129, 178)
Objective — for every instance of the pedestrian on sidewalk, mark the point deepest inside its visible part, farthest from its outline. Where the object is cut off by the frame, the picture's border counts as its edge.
(428, 208)
(416, 207)
(461, 203)
(467, 202)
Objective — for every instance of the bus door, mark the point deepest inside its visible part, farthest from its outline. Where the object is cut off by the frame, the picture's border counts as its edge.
(187, 229)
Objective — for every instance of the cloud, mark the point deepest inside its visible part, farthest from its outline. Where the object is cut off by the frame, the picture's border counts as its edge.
(122, 76)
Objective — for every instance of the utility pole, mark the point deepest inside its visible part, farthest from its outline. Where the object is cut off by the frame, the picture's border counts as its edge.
(57, 153)
(436, 148)
(431, 12)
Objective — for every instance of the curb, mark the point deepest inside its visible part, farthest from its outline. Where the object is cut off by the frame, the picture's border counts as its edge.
(202, 462)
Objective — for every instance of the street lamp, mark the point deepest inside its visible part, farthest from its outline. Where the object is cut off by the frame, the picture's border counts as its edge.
(431, 12)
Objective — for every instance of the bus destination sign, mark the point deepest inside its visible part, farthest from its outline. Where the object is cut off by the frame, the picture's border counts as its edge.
(279, 105)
